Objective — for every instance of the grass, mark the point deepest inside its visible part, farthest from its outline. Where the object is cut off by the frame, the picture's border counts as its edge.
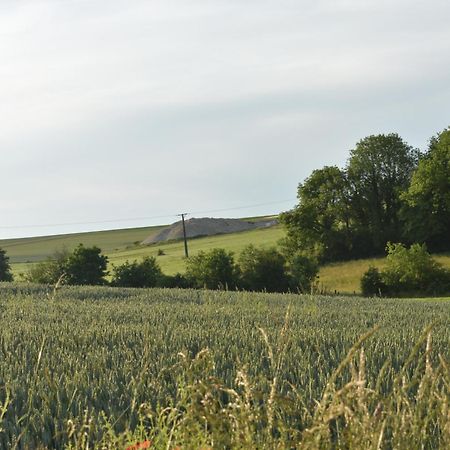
(86, 368)
(122, 245)
(344, 277)
(26, 250)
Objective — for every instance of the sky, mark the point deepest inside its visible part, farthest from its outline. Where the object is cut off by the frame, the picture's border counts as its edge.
(120, 113)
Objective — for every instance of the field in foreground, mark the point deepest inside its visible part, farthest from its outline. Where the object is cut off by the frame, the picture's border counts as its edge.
(106, 368)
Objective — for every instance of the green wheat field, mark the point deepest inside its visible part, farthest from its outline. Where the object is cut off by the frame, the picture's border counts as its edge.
(106, 368)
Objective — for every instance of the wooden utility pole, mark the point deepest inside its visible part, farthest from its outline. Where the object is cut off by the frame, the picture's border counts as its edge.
(186, 253)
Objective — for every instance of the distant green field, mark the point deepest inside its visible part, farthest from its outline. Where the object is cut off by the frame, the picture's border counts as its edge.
(38, 248)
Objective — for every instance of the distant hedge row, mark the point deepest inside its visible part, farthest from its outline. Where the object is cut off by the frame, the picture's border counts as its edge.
(256, 269)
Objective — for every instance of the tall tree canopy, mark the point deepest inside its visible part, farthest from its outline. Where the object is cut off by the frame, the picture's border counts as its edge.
(379, 170)
(355, 211)
(428, 197)
(320, 223)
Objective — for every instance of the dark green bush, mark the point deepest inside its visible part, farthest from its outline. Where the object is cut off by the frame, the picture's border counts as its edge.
(263, 270)
(372, 283)
(86, 266)
(146, 273)
(215, 269)
(5, 268)
(409, 271)
(303, 273)
(175, 281)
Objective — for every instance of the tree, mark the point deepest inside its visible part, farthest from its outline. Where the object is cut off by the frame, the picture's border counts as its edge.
(379, 170)
(144, 274)
(5, 268)
(212, 270)
(86, 266)
(320, 226)
(263, 270)
(428, 197)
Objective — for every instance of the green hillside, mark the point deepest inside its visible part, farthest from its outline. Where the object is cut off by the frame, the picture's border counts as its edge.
(123, 245)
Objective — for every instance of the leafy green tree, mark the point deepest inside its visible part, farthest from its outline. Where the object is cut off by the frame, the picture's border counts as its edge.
(146, 273)
(86, 266)
(214, 269)
(5, 268)
(428, 197)
(320, 226)
(263, 270)
(379, 170)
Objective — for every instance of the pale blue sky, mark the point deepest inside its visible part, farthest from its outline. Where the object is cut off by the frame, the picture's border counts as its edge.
(128, 109)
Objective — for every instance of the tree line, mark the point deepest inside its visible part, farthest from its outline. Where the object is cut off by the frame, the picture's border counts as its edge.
(387, 192)
(256, 269)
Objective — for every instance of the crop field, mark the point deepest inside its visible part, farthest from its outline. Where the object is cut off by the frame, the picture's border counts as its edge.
(111, 368)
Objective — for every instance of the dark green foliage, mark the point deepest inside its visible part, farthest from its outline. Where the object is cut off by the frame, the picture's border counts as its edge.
(175, 281)
(146, 273)
(86, 266)
(353, 212)
(320, 224)
(414, 271)
(214, 269)
(372, 283)
(49, 271)
(263, 270)
(5, 268)
(303, 273)
(379, 170)
(409, 271)
(428, 197)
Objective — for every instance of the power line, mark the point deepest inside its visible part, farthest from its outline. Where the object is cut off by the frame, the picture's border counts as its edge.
(52, 225)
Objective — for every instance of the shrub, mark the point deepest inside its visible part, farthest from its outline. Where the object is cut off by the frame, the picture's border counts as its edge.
(5, 268)
(303, 273)
(414, 270)
(175, 281)
(86, 265)
(263, 270)
(410, 271)
(49, 271)
(144, 274)
(213, 270)
(372, 283)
